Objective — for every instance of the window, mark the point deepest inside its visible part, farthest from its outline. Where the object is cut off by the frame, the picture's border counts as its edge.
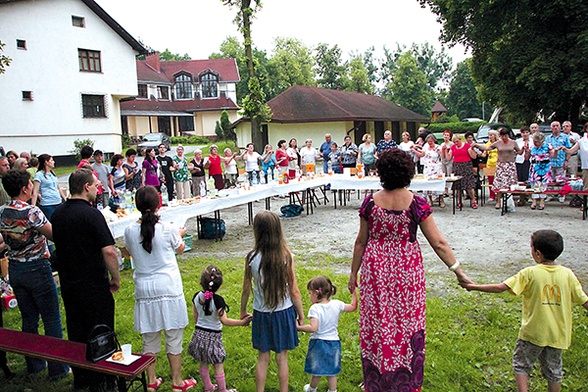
(89, 60)
(183, 87)
(93, 106)
(27, 95)
(78, 21)
(163, 92)
(142, 91)
(21, 44)
(209, 83)
(186, 123)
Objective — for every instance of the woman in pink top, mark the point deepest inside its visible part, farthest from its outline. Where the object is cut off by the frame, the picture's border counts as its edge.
(213, 164)
(462, 155)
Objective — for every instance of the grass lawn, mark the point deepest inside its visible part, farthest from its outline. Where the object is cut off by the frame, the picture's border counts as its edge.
(470, 338)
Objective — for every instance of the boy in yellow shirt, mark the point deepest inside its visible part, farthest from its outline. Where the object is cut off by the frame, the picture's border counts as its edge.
(548, 291)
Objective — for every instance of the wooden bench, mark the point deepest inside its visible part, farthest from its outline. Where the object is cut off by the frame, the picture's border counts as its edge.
(506, 193)
(74, 354)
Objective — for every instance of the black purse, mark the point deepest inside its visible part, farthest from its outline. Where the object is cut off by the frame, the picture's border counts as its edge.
(101, 343)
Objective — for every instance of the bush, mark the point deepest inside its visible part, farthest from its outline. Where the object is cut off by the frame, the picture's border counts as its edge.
(455, 127)
(179, 140)
(200, 140)
(79, 144)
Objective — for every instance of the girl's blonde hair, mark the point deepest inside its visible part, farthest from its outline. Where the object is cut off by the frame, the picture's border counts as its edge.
(323, 286)
(276, 258)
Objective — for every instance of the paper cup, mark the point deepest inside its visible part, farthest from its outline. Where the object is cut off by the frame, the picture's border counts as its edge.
(126, 350)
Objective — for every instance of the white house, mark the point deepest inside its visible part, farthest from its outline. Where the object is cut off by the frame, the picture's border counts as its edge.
(71, 65)
(177, 97)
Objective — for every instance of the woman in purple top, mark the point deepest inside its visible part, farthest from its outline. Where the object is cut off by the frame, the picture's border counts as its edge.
(150, 171)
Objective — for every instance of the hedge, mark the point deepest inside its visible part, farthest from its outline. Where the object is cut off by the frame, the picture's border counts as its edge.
(455, 127)
(189, 140)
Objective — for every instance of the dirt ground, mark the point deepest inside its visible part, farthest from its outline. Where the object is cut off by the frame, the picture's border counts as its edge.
(490, 247)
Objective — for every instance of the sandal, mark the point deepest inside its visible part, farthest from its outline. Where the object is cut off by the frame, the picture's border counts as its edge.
(540, 207)
(156, 384)
(497, 206)
(533, 206)
(474, 205)
(214, 388)
(188, 383)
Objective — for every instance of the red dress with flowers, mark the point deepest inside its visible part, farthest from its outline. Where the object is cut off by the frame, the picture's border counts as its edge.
(393, 295)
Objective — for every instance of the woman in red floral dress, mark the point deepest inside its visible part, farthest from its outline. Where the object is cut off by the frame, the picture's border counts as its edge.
(392, 286)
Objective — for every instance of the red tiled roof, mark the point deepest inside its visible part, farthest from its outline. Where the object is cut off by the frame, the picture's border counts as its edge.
(226, 69)
(313, 104)
(187, 106)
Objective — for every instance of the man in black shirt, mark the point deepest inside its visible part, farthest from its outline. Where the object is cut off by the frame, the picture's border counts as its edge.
(86, 254)
(167, 166)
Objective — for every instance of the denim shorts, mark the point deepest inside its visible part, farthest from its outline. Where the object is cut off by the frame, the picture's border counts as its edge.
(526, 354)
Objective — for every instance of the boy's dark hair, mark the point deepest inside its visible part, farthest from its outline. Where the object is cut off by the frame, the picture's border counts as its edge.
(130, 151)
(549, 242)
(14, 180)
(86, 152)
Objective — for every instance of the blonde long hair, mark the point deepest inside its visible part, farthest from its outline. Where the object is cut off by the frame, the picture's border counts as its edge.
(276, 258)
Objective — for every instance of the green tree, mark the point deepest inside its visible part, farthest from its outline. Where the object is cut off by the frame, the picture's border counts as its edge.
(292, 65)
(232, 48)
(370, 65)
(527, 55)
(253, 104)
(359, 80)
(330, 68)
(223, 128)
(166, 55)
(4, 60)
(410, 86)
(463, 96)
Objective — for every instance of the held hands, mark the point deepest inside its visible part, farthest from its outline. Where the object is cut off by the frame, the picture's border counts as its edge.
(245, 321)
(352, 285)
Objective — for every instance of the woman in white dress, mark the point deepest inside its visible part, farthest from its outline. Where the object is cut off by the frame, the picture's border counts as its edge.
(160, 305)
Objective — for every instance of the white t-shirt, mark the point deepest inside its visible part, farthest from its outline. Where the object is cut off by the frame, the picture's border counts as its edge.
(252, 161)
(211, 322)
(520, 158)
(258, 297)
(231, 167)
(583, 152)
(308, 155)
(327, 315)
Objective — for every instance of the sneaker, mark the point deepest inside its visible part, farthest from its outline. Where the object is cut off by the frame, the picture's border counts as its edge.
(308, 388)
(491, 200)
(548, 198)
(561, 199)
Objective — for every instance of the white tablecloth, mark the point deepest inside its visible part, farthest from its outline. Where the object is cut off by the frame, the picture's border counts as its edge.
(180, 214)
(343, 182)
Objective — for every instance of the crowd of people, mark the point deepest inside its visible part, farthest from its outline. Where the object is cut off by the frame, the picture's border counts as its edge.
(386, 255)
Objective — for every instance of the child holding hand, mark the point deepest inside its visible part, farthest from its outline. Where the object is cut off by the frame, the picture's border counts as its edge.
(548, 291)
(277, 304)
(324, 348)
(210, 314)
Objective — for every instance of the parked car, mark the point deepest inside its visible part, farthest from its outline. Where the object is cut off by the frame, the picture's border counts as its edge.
(472, 119)
(545, 128)
(153, 140)
(482, 134)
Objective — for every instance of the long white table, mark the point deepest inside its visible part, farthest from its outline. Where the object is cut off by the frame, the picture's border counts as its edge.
(181, 213)
(343, 182)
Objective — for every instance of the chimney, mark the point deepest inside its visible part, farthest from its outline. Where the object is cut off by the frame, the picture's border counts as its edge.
(153, 60)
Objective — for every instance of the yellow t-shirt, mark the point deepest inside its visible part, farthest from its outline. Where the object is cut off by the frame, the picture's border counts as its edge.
(492, 156)
(548, 294)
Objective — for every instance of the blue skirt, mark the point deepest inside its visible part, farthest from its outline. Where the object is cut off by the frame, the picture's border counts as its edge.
(275, 331)
(323, 358)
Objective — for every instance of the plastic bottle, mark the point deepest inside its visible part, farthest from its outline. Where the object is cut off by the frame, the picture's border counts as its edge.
(298, 172)
(164, 195)
(254, 179)
(329, 167)
(202, 189)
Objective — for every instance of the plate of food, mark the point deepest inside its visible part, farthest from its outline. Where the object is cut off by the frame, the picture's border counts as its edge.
(119, 358)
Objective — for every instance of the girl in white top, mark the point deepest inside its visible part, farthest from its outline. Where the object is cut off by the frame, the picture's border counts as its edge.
(210, 314)
(160, 305)
(324, 348)
(231, 172)
(277, 306)
(293, 156)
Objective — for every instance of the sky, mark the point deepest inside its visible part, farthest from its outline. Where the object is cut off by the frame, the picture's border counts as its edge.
(198, 27)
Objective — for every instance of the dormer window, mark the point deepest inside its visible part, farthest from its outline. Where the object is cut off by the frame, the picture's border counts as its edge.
(142, 91)
(209, 85)
(183, 87)
(163, 92)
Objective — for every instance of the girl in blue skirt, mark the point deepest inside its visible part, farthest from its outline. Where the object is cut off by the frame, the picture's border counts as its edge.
(277, 305)
(324, 348)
